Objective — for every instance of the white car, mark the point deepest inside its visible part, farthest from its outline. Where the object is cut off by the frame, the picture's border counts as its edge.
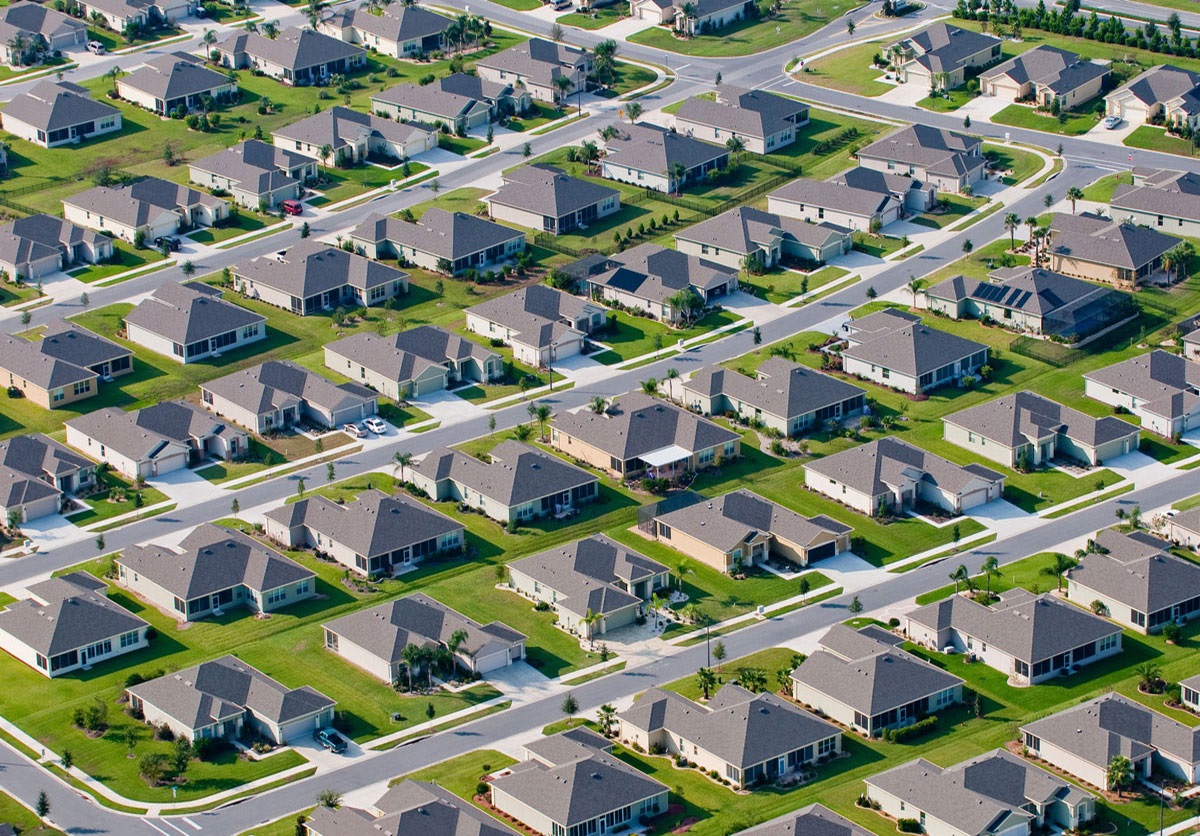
(96, 48)
(1111, 122)
(376, 425)
(358, 429)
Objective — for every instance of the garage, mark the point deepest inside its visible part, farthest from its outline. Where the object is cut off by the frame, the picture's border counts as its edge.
(974, 498)
(822, 551)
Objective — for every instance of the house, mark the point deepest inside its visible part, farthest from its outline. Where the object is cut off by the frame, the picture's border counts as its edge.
(863, 680)
(742, 528)
(214, 569)
(516, 484)
(897, 350)
(375, 639)
(256, 174)
(64, 366)
(1083, 739)
(296, 56)
(590, 578)
(536, 65)
(942, 56)
(1160, 199)
(1046, 74)
(25, 27)
(567, 786)
(68, 623)
(155, 440)
(892, 475)
(278, 394)
(149, 207)
(190, 322)
(374, 535)
(413, 363)
(655, 158)
(1184, 528)
(815, 819)
(1028, 638)
(351, 137)
(57, 113)
(226, 698)
(1033, 300)
(310, 277)
(544, 199)
(176, 82)
(1137, 581)
(639, 434)
(1025, 430)
(995, 793)
(764, 122)
(541, 323)
(399, 32)
(408, 807)
(36, 472)
(913, 195)
(771, 240)
(119, 14)
(650, 278)
(840, 201)
(39, 245)
(744, 737)
(782, 395)
(699, 18)
(460, 101)
(448, 242)
(70, 343)
(1144, 98)
(1162, 389)
(947, 160)
(1102, 250)
(1190, 692)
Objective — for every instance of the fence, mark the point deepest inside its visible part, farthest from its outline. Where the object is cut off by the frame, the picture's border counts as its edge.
(1050, 353)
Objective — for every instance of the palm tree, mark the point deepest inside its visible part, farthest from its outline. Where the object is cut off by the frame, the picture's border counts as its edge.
(542, 413)
(590, 620)
(1061, 565)
(456, 640)
(210, 37)
(606, 714)
(656, 604)
(672, 376)
(313, 9)
(429, 656)
(678, 171)
(958, 576)
(991, 569)
(598, 405)
(412, 658)
(707, 680)
(326, 151)
(633, 110)
(1149, 674)
(1012, 222)
(563, 85)
(1177, 259)
(522, 432)
(114, 74)
(650, 386)
(270, 30)
(682, 570)
(1119, 774)
(1032, 223)
(401, 460)
(1073, 194)
(735, 145)
(914, 287)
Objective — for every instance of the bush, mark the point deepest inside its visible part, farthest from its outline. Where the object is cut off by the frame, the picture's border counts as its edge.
(481, 788)
(893, 622)
(917, 729)
(1172, 632)
(908, 825)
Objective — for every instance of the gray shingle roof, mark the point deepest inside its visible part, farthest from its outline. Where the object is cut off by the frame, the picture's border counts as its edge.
(160, 430)
(1025, 417)
(23, 359)
(910, 348)
(174, 76)
(1164, 384)
(538, 60)
(549, 191)
(186, 313)
(1100, 240)
(440, 98)
(295, 48)
(1058, 69)
(340, 127)
(410, 807)
(946, 48)
(838, 196)
(56, 105)
(276, 383)
(71, 343)
(656, 150)
(397, 23)
(29, 19)
(41, 457)
(309, 267)
(67, 613)
(136, 204)
(879, 465)
(755, 113)
(449, 235)
(784, 389)
(539, 314)
(940, 151)
(516, 474)
(253, 165)
(745, 229)
(1138, 572)
(1033, 290)
(1159, 84)
(404, 355)
(649, 271)
(636, 424)
(729, 520)
(813, 820)
(585, 574)
(1177, 195)
(50, 233)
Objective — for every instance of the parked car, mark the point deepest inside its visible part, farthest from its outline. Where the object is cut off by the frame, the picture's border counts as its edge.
(376, 425)
(169, 241)
(96, 48)
(1112, 122)
(331, 740)
(357, 429)
(292, 207)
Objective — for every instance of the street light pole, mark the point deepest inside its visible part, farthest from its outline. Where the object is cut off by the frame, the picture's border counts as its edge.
(708, 651)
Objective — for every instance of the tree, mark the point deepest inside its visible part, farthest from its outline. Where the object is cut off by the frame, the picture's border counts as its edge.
(1119, 774)
(522, 432)
(491, 425)
(1177, 259)
(753, 680)
(270, 30)
(1061, 565)
(1148, 673)
(650, 386)
(1012, 222)
(181, 755)
(329, 798)
(598, 405)
(85, 300)
(152, 767)
(735, 145)
(967, 246)
(300, 486)
(570, 705)
(542, 413)
(914, 287)
(757, 335)
(1074, 193)
(991, 569)
(402, 460)
(1032, 223)
(313, 10)
(412, 659)
(603, 60)
(706, 680)
(850, 27)
(633, 110)
(805, 588)
(718, 653)
(556, 35)
(958, 576)
(43, 805)
(235, 507)
(563, 85)
(687, 304)
(590, 620)
(682, 570)
(526, 151)
(1135, 517)
(956, 535)
(607, 715)
(855, 606)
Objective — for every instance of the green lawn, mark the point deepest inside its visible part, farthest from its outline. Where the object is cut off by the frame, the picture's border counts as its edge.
(101, 508)
(1102, 190)
(521, 5)
(629, 77)
(23, 820)
(880, 246)
(779, 286)
(1153, 138)
(1024, 116)
(598, 18)
(1021, 165)
(634, 336)
(948, 100)
(827, 126)
(950, 208)
(285, 826)
(243, 223)
(849, 70)
(539, 115)
(1026, 573)
(771, 660)
(460, 144)
(125, 257)
(12, 293)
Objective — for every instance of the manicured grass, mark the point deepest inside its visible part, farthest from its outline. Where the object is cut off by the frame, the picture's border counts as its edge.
(879, 246)
(460, 144)
(633, 336)
(1024, 116)
(125, 257)
(100, 508)
(957, 207)
(629, 77)
(946, 101)
(827, 126)
(598, 18)
(12, 293)
(22, 819)
(285, 826)
(243, 223)
(1102, 190)
(521, 5)
(1026, 573)
(849, 70)
(771, 660)
(540, 114)
(1153, 138)
(1021, 165)
(778, 286)
(460, 775)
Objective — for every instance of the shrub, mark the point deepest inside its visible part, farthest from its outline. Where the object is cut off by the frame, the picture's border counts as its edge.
(163, 732)
(893, 622)
(917, 729)
(908, 825)
(1172, 632)
(481, 788)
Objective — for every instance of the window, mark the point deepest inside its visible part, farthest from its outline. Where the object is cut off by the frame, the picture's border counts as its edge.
(1108, 643)
(707, 456)
(276, 595)
(57, 394)
(302, 588)
(827, 746)
(129, 639)
(250, 331)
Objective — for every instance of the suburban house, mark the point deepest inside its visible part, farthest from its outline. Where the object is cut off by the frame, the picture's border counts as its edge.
(36, 472)
(226, 698)
(815, 819)
(649, 278)
(516, 484)
(782, 395)
(1191, 343)
(1184, 528)
(375, 534)
(149, 206)
(746, 738)
(1033, 300)
(772, 240)
(942, 56)
(296, 56)
(536, 65)
(947, 160)
(118, 14)
(1190, 689)
(310, 277)
(63, 366)
(590, 578)
(698, 18)
(57, 113)
(71, 343)
(897, 350)
(544, 199)
(569, 786)
(639, 434)
(155, 440)
(351, 136)
(1028, 638)
(255, 173)
(1082, 739)
(995, 793)
(24, 27)
(375, 639)
(1103, 250)
(1161, 388)
(68, 623)
(39, 245)
(446, 242)
(214, 569)
(1045, 74)
(1137, 581)
(655, 158)
(839, 201)
(764, 122)
(279, 394)
(1144, 98)
(1025, 430)
(890, 475)
(177, 81)
(541, 323)
(189, 322)
(408, 807)
(459, 101)
(913, 195)
(1161, 199)
(413, 363)
(863, 680)
(399, 32)
(742, 528)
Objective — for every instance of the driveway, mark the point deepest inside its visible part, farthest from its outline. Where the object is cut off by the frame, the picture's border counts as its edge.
(48, 532)
(1114, 137)
(984, 107)
(447, 407)
(185, 486)
(1004, 518)
(756, 310)
(519, 681)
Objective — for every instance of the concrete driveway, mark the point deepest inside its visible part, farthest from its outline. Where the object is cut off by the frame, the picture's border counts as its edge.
(447, 407)
(1114, 137)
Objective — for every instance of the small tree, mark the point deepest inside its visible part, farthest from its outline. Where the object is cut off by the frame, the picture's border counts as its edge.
(850, 27)
(956, 535)
(304, 230)
(85, 300)
(181, 756)
(235, 507)
(991, 569)
(527, 150)
(570, 705)
(300, 486)
(152, 767)
(706, 680)
(718, 653)
(67, 759)
(329, 798)
(855, 606)
(606, 715)
(330, 472)
(43, 805)
(1119, 774)
(1061, 565)
(430, 711)
(805, 588)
